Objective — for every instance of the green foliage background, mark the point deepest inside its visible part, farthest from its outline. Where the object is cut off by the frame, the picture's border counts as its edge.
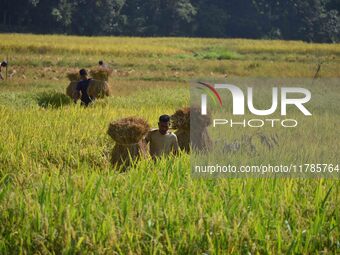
(312, 20)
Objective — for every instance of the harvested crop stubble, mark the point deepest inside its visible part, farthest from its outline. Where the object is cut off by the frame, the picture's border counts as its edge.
(199, 136)
(128, 134)
(251, 143)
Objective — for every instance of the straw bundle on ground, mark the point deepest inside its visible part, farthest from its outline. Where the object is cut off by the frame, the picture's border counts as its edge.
(128, 134)
(199, 137)
(101, 73)
(98, 89)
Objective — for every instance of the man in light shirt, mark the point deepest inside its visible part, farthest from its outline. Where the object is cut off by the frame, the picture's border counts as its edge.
(162, 141)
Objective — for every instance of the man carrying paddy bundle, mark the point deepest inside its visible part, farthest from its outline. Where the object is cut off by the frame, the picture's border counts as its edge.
(3, 64)
(162, 142)
(82, 87)
(102, 64)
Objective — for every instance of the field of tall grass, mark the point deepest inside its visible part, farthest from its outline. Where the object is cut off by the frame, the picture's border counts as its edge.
(60, 195)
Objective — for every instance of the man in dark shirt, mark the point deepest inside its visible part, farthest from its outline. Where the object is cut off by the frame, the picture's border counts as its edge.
(82, 87)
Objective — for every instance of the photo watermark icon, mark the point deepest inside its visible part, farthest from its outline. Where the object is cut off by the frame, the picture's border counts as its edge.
(262, 128)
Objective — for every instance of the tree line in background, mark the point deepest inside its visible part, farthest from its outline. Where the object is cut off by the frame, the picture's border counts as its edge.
(308, 20)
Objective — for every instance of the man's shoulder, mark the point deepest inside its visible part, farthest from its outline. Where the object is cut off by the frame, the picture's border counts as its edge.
(155, 131)
(152, 132)
(83, 83)
(80, 82)
(172, 135)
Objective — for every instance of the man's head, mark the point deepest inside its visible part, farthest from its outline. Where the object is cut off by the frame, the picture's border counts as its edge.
(101, 62)
(164, 124)
(83, 73)
(3, 63)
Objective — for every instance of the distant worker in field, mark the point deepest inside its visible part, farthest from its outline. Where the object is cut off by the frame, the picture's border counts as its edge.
(162, 142)
(81, 89)
(3, 64)
(102, 64)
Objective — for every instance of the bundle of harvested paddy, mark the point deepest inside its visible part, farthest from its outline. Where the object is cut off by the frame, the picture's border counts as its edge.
(73, 76)
(98, 89)
(71, 90)
(124, 155)
(182, 117)
(128, 130)
(101, 73)
(183, 137)
(128, 134)
(199, 137)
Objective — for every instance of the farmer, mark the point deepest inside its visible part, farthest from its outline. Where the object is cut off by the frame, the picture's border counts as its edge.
(102, 64)
(81, 89)
(162, 141)
(3, 64)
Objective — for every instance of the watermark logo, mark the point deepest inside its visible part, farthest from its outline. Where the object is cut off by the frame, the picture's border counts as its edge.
(262, 127)
(213, 94)
(239, 99)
